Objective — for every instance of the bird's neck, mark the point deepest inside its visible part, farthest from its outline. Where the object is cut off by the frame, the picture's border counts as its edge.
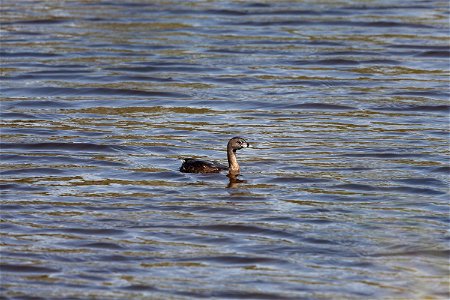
(232, 161)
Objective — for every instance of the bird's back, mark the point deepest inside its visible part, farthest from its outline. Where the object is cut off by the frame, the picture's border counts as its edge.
(192, 165)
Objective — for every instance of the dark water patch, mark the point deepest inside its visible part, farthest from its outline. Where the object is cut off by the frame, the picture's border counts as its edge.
(110, 258)
(374, 7)
(381, 61)
(238, 260)
(140, 288)
(323, 83)
(422, 181)
(416, 253)
(229, 51)
(11, 41)
(95, 19)
(350, 53)
(277, 219)
(297, 180)
(296, 12)
(13, 115)
(148, 69)
(89, 231)
(301, 83)
(203, 209)
(64, 66)
(155, 109)
(401, 189)
(21, 296)
(311, 248)
(315, 221)
(158, 149)
(41, 103)
(49, 21)
(157, 175)
(425, 191)
(415, 108)
(57, 160)
(77, 77)
(325, 43)
(381, 24)
(72, 71)
(391, 24)
(354, 169)
(256, 4)
(272, 12)
(24, 33)
(21, 187)
(90, 277)
(445, 170)
(444, 218)
(45, 77)
(26, 268)
(27, 54)
(244, 229)
(434, 53)
(318, 241)
(227, 12)
(358, 264)
(56, 91)
(127, 47)
(217, 12)
(328, 62)
(383, 155)
(319, 106)
(141, 78)
(101, 245)
(33, 171)
(83, 147)
(166, 63)
(228, 294)
(4, 207)
(357, 187)
(112, 207)
(232, 80)
(119, 4)
(421, 46)
(439, 133)
(31, 131)
(263, 24)
(429, 93)
(47, 65)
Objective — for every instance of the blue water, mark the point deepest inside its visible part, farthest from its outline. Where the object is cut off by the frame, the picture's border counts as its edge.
(344, 194)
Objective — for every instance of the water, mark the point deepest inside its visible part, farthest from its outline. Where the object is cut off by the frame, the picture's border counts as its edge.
(344, 194)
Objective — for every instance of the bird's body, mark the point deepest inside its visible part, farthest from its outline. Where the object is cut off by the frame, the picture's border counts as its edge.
(192, 165)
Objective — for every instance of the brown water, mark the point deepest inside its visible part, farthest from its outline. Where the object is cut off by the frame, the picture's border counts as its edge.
(344, 195)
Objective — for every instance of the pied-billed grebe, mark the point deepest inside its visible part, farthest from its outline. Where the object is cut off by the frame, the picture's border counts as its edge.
(192, 165)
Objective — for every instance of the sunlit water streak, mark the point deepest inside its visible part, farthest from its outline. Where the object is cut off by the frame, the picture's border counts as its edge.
(343, 195)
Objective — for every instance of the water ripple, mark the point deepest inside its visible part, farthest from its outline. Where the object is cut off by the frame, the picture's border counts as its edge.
(344, 103)
(54, 91)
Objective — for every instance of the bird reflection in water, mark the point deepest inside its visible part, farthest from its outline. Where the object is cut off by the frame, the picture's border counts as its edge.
(234, 181)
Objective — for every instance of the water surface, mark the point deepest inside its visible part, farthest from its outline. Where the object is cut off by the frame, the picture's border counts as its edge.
(344, 194)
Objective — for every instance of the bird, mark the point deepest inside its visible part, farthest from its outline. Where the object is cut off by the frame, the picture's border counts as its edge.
(193, 165)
